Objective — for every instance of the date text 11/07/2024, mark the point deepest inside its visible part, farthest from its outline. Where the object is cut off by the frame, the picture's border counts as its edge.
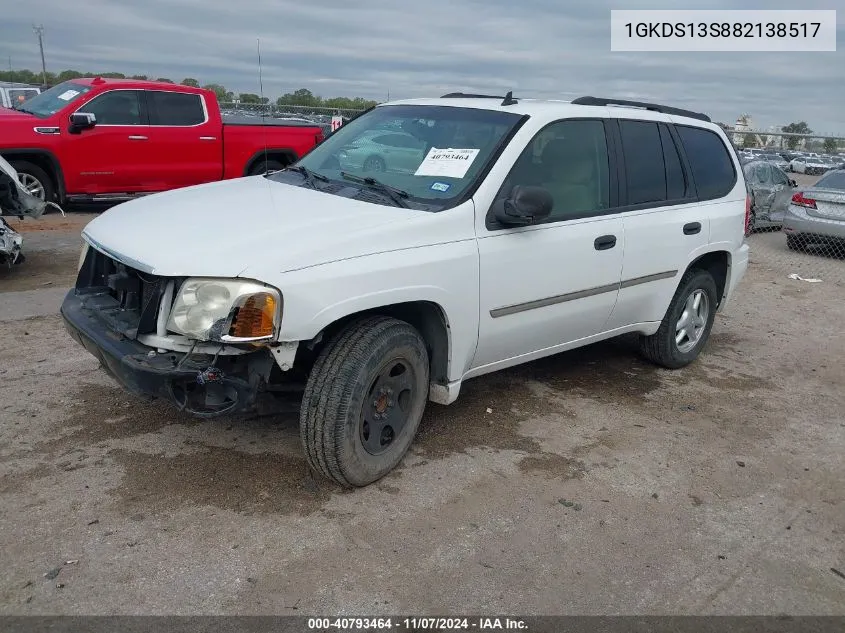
(416, 624)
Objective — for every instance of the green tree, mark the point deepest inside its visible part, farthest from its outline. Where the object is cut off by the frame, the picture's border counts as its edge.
(748, 141)
(165, 80)
(830, 145)
(220, 91)
(248, 97)
(190, 81)
(796, 128)
(140, 77)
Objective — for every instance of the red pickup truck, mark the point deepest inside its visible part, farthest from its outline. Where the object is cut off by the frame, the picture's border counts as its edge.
(114, 139)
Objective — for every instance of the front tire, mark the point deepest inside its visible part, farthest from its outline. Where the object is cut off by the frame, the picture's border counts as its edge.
(35, 180)
(364, 400)
(685, 328)
(265, 167)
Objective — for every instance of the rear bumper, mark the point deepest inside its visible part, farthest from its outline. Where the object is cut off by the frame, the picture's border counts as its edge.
(144, 372)
(797, 221)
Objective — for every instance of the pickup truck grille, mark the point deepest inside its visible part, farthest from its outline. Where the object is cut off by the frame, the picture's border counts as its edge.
(125, 298)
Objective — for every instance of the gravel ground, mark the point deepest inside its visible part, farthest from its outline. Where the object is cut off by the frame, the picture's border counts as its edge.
(588, 483)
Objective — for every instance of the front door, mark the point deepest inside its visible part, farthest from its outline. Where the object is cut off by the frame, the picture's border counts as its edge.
(547, 285)
(108, 158)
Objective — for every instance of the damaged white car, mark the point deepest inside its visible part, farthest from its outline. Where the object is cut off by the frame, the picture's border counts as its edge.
(511, 230)
(15, 201)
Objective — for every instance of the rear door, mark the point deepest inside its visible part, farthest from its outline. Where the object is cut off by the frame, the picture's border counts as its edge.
(664, 225)
(187, 147)
(108, 158)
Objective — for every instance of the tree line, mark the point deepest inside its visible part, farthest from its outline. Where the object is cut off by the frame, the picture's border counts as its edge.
(301, 97)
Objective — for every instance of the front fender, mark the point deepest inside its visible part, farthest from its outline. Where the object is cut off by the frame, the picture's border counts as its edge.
(443, 274)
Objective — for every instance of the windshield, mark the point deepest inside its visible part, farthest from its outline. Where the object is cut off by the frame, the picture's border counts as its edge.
(432, 154)
(56, 98)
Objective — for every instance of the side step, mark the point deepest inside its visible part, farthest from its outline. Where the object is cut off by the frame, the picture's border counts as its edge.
(105, 197)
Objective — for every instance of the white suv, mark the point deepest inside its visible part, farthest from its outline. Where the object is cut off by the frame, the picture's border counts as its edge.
(524, 229)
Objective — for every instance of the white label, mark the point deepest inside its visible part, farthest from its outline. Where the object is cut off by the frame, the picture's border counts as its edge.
(451, 163)
(67, 95)
(723, 30)
(337, 121)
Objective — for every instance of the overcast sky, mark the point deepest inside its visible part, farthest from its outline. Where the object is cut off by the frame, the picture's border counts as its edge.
(538, 48)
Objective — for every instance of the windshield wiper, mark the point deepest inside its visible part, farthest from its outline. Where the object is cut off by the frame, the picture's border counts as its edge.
(310, 176)
(396, 195)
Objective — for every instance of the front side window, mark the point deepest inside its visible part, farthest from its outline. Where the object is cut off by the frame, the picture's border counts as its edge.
(175, 108)
(116, 107)
(56, 98)
(432, 154)
(569, 159)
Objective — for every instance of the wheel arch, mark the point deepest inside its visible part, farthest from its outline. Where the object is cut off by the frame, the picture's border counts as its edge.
(718, 264)
(44, 159)
(284, 155)
(428, 317)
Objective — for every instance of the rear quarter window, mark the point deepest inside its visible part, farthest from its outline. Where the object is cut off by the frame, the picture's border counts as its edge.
(177, 109)
(712, 167)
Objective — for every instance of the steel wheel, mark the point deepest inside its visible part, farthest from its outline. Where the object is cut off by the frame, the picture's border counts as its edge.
(388, 406)
(690, 327)
(34, 186)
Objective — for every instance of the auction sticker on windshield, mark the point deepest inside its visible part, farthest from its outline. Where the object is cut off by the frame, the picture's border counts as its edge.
(449, 163)
(67, 95)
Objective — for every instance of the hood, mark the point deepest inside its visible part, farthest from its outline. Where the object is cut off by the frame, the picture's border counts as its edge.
(7, 114)
(224, 228)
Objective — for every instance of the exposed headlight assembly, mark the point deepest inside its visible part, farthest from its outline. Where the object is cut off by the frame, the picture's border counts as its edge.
(226, 310)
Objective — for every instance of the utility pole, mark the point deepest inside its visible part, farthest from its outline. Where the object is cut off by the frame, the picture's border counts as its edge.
(39, 31)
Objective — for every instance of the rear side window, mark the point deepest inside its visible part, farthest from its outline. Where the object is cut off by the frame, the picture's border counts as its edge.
(645, 171)
(712, 167)
(175, 108)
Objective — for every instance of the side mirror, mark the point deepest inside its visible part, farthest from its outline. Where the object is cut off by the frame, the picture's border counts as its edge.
(525, 205)
(80, 121)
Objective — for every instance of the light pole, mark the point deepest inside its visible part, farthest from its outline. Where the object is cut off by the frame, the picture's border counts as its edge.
(39, 31)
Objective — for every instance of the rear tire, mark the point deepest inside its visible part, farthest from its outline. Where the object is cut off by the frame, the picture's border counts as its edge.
(794, 243)
(364, 400)
(35, 180)
(685, 328)
(264, 167)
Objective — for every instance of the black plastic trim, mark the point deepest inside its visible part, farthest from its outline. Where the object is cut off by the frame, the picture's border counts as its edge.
(655, 107)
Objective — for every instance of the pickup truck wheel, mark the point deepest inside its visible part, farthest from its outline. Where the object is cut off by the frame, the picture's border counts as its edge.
(35, 180)
(364, 400)
(262, 167)
(686, 326)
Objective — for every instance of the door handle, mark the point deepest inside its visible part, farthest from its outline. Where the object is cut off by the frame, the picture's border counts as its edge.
(136, 137)
(605, 242)
(692, 228)
(208, 138)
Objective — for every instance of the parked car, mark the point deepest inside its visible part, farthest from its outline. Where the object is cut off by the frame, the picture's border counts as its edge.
(775, 159)
(511, 240)
(90, 139)
(817, 214)
(771, 192)
(13, 95)
(810, 165)
(383, 151)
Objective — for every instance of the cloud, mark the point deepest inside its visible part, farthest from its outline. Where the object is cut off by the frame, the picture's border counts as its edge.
(538, 48)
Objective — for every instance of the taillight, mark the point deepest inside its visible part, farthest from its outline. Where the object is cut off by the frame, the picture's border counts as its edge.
(747, 214)
(800, 201)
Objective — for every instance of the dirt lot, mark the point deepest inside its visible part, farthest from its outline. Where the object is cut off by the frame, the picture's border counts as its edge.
(590, 482)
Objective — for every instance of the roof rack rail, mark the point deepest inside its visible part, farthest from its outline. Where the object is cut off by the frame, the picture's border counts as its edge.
(656, 107)
(507, 99)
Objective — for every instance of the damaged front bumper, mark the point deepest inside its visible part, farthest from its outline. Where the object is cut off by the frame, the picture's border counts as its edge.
(203, 384)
